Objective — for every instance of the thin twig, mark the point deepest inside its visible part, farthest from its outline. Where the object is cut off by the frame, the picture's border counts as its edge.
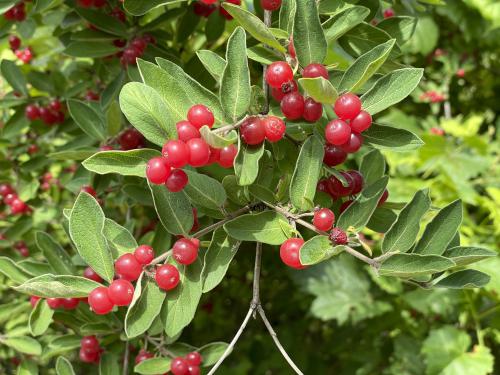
(256, 277)
(126, 359)
(227, 128)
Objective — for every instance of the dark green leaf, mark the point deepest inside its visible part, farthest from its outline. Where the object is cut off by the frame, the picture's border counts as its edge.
(108, 364)
(14, 76)
(119, 238)
(90, 49)
(87, 119)
(212, 352)
(246, 164)
(372, 166)
(412, 265)
(308, 37)
(140, 7)
(463, 255)
(63, 367)
(40, 318)
(465, 279)
(343, 21)
(103, 21)
(205, 191)
(23, 344)
(57, 257)
(389, 138)
(401, 27)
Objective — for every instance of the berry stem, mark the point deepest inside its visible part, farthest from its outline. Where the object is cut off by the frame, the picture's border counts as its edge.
(227, 128)
(126, 358)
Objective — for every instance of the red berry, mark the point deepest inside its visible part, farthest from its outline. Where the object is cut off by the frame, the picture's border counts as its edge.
(99, 301)
(184, 251)
(252, 131)
(336, 188)
(322, 186)
(89, 273)
(139, 44)
(270, 4)
(289, 252)
(214, 155)
(208, 2)
(347, 106)
(193, 358)
(461, 73)
(55, 105)
(278, 73)
(158, 170)
(292, 106)
(334, 155)
(6, 189)
(54, 303)
(194, 370)
(338, 236)
(187, 131)
(89, 344)
(14, 42)
(176, 153)
(196, 224)
(357, 177)
(120, 43)
(179, 366)
(131, 139)
(199, 152)
(337, 132)
(85, 3)
(314, 71)
(291, 48)
(24, 251)
(275, 128)
(89, 190)
(129, 56)
(323, 219)
(344, 205)
(70, 303)
(9, 198)
(353, 144)
(167, 276)
(34, 300)
(383, 198)
(279, 93)
(142, 356)
(89, 357)
(144, 254)
(17, 206)
(121, 292)
(227, 155)
(199, 115)
(177, 180)
(361, 122)
(312, 110)
(388, 13)
(224, 12)
(127, 267)
(48, 116)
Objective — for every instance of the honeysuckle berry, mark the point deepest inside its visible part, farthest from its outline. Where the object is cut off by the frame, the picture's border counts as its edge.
(199, 152)
(194, 358)
(89, 190)
(227, 155)
(48, 116)
(177, 180)
(142, 356)
(176, 153)
(314, 71)
(437, 131)
(388, 13)
(196, 224)
(121, 292)
(353, 144)
(358, 180)
(158, 170)
(99, 301)
(290, 252)
(361, 122)
(90, 274)
(9, 198)
(17, 206)
(383, 198)
(91, 96)
(24, 251)
(90, 344)
(334, 155)
(270, 5)
(6, 189)
(184, 251)
(292, 105)
(85, 3)
(179, 366)
(130, 139)
(55, 105)
(214, 155)
(208, 2)
(322, 186)
(199, 115)
(194, 370)
(336, 188)
(224, 12)
(70, 303)
(54, 303)
(187, 131)
(323, 219)
(144, 254)
(279, 93)
(344, 205)
(460, 73)
(252, 131)
(167, 276)
(337, 132)
(278, 73)
(338, 236)
(89, 357)
(274, 127)
(347, 106)
(312, 110)
(128, 267)
(34, 300)
(203, 10)
(14, 42)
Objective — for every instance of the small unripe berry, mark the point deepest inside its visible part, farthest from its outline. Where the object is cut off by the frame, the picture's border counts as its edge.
(337, 132)
(278, 73)
(252, 131)
(347, 106)
(127, 267)
(275, 128)
(167, 276)
(292, 106)
(177, 180)
(199, 115)
(99, 301)
(323, 219)
(184, 251)
(121, 292)
(338, 236)
(290, 252)
(314, 71)
(144, 254)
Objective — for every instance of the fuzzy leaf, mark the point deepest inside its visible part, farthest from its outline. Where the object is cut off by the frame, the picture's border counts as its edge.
(125, 163)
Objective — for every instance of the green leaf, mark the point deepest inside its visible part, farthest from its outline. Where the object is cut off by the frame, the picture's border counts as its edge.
(263, 54)
(217, 259)
(441, 230)
(404, 231)
(147, 112)
(235, 91)
(372, 166)
(125, 163)
(216, 140)
(27, 367)
(87, 119)
(173, 209)
(75, 154)
(412, 265)
(22, 344)
(103, 21)
(391, 89)
(390, 138)
(63, 366)
(119, 238)
(479, 361)
(365, 67)
(253, 25)
(464, 255)
(320, 89)
(246, 164)
(108, 364)
(381, 220)
(364, 37)
(65, 286)
(57, 257)
(153, 366)
(140, 7)
(212, 352)
(308, 37)
(400, 27)
(361, 210)
(465, 279)
(205, 191)
(344, 21)
(10, 269)
(318, 249)
(181, 303)
(145, 307)
(14, 76)
(90, 49)
(112, 90)
(40, 318)
(306, 174)
(287, 15)
(212, 62)
(267, 227)
(86, 224)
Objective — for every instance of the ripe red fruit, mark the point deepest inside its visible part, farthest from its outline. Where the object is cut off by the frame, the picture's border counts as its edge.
(199, 115)
(322, 186)
(357, 177)
(461, 73)
(314, 71)
(338, 236)
(176, 153)
(99, 301)
(70, 303)
(89, 358)
(176, 181)
(323, 219)
(144, 254)
(214, 155)
(187, 131)
(388, 13)
(167, 276)
(54, 303)
(129, 56)
(312, 110)
(24, 55)
(158, 170)
(89, 344)
(184, 251)
(334, 155)
(194, 370)
(274, 127)
(193, 358)
(279, 93)
(224, 12)
(14, 42)
(17, 206)
(292, 106)
(337, 132)
(252, 131)
(142, 356)
(6, 189)
(209, 2)
(179, 366)
(227, 155)
(24, 251)
(289, 252)
(270, 5)
(89, 273)
(55, 105)
(131, 139)
(347, 106)
(196, 224)
(121, 292)
(89, 190)
(34, 300)
(127, 267)
(199, 152)
(139, 44)
(361, 122)
(336, 188)
(278, 73)
(48, 116)
(353, 144)
(32, 112)
(85, 3)
(383, 198)
(9, 198)
(344, 205)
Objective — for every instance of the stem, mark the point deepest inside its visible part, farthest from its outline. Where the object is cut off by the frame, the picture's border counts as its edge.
(126, 359)
(227, 128)
(488, 311)
(256, 276)
(475, 317)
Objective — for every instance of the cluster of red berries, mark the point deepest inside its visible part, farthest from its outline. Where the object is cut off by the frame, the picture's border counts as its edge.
(25, 55)
(57, 303)
(432, 96)
(135, 48)
(51, 114)
(16, 13)
(204, 8)
(279, 75)
(22, 248)
(90, 350)
(255, 130)
(10, 198)
(187, 365)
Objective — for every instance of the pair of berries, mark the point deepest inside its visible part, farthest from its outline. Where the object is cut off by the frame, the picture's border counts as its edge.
(10, 198)
(57, 303)
(51, 114)
(187, 365)
(135, 49)
(256, 130)
(16, 13)
(90, 350)
(25, 55)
